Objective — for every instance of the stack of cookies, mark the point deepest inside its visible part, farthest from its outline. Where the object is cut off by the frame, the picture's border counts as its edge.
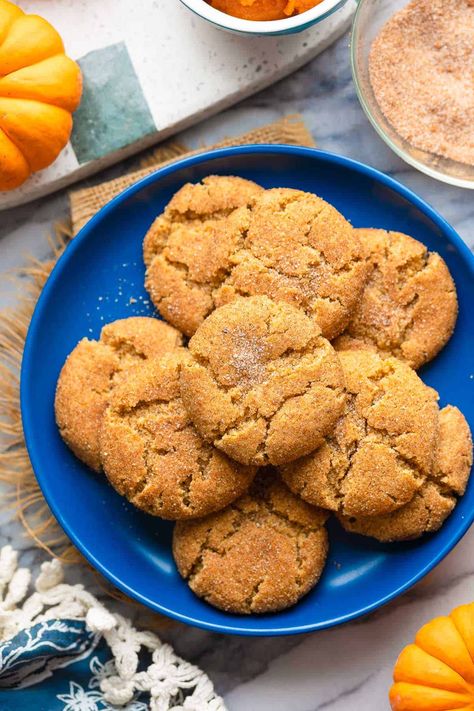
(295, 397)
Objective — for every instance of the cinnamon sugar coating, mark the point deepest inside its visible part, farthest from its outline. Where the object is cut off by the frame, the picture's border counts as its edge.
(187, 249)
(262, 384)
(381, 451)
(299, 249)
(91, 371)
(152, 454)
(409, 305)
(421, 66)
(227, 237)
(261, 554)
(433, 503)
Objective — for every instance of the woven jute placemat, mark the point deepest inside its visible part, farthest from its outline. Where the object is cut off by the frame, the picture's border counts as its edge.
(22, 490)
(87, 201)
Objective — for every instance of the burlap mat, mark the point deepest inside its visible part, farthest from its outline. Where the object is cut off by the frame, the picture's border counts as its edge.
(22, 490)
(86, 202)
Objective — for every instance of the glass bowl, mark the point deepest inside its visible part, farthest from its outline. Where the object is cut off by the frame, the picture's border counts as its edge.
(370, 17)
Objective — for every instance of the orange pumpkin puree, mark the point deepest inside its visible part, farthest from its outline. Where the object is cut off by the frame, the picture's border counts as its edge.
(263, 9)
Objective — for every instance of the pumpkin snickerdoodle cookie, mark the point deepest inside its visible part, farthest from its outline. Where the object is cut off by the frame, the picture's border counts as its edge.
(300, 249)
(92, 369)
(262, 384)
(409, 304)
(187, 249)
(261, 554)
(152, 454)
(381, 451)
(430, 506)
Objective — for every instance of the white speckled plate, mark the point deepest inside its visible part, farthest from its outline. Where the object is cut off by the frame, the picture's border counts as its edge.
(151, 68)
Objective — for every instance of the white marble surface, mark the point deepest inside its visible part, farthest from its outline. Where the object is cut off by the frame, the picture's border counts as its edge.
(349, 667)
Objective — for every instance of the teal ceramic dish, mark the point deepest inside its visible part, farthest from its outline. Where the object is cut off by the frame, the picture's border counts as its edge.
(289, 26)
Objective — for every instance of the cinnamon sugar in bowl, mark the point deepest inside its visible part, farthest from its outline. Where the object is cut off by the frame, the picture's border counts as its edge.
(413, 68)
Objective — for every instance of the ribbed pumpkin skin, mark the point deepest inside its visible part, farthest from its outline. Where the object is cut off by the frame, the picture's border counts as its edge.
(436, 673)
(40, 87)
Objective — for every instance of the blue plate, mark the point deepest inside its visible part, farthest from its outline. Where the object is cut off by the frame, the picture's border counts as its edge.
(93, 283)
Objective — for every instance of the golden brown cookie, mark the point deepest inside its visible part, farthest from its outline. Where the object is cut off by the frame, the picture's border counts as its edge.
(93, 368)
(301, 250)
(431, 506)
(261, 554)
(381, 451)
(187, 249)
(409, 305)
(263, 385)
(152, 454)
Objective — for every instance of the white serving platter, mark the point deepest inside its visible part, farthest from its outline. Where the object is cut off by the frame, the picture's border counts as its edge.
(152, 68)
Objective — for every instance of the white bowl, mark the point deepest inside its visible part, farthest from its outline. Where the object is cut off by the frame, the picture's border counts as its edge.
(269, 27)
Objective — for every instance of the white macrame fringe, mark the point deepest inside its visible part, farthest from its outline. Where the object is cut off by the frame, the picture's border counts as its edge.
(166, 676)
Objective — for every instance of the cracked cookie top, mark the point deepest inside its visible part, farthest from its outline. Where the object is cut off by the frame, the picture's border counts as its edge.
(152, 454)
(187, 249)
(433, 503)
(300, 249)
(381, 451)
(91, 371)
(261, 554)
(262, 384)
(409, 304)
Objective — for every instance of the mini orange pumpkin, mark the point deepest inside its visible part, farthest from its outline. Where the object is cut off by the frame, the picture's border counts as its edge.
(39, 89)
(436, 673)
